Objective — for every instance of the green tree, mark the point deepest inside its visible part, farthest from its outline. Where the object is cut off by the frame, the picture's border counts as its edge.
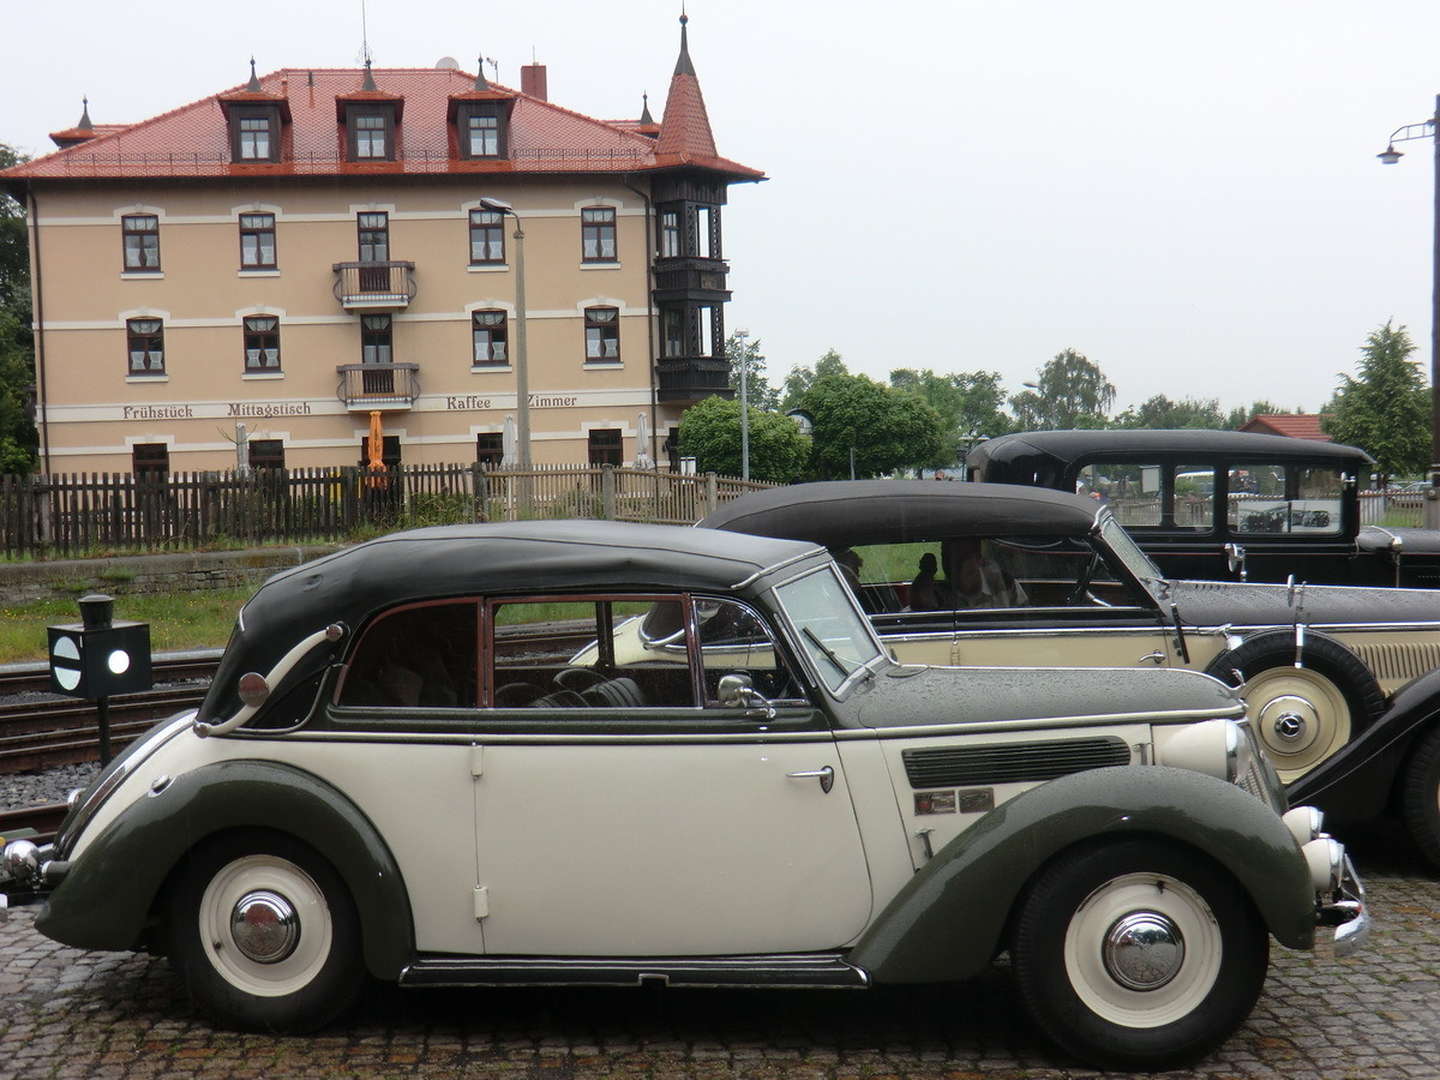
(801, 378)
(969, 404)
(1385, 411)
(710, 433)
(742, 352)
(18, 439)
(1160, 412)
(1243, 414)
(886, 429)
(1069, 392)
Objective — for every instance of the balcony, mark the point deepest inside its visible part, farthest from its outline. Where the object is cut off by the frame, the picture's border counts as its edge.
(691, 278)
(374, 286)
(690, 378)
(378, 387)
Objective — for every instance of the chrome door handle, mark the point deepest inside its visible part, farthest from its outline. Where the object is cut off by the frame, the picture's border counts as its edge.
(1157, 656)
(826, 776)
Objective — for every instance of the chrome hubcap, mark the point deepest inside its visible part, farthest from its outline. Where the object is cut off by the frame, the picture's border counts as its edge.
(1289, 726)
(264, 926)
(1143, 950)
(1293, 719)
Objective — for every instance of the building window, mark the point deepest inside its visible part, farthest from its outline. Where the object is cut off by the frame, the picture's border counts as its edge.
(370, 133)
(253, 138)
(706, 245)
(669, 234)
(490, 449)
(389, 451)
(597, 234)
(375, 339)
(488, 330)
(262, 343)
(483, 135)
(602, 334)
(267, 453)
(146, 341)
(150, 461)
(257, 241)
(605, 447)
(705, 317)
(374, 235)
(487, 237)
(672, 331)
(141, 234)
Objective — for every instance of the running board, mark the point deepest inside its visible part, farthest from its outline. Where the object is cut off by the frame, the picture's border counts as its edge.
(809, 970)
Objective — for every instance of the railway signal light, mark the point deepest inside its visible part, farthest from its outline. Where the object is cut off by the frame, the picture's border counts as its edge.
(97, 657)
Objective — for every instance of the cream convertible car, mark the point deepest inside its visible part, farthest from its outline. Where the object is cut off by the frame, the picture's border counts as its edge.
(399, 770)
(1022, 575)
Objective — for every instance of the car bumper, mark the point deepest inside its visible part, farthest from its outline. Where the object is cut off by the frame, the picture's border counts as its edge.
(1346, 911)
(28, 873)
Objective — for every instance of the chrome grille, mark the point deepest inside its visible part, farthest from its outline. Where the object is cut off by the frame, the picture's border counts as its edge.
(1011, 763)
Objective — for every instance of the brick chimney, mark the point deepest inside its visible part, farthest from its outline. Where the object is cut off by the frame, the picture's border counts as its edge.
(532, 81)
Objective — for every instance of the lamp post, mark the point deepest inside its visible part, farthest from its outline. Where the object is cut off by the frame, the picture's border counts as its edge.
(741, 337)
(522, 371)
(1427, 129)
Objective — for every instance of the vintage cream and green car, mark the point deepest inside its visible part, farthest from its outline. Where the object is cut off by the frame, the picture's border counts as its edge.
(449, 757)
(1023, 575)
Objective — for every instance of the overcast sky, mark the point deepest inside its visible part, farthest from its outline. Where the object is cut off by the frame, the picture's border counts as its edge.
(1186, 194)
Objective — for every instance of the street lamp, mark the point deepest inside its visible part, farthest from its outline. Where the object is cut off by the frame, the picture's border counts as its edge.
(522, 371)
(1426, 129)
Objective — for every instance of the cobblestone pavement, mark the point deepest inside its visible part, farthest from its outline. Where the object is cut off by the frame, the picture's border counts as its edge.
(68, 1013)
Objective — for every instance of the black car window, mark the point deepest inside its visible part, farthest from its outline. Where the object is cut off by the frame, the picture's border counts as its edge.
(1132, 490)
(1285, 499)
(418, 656)
(590, 653)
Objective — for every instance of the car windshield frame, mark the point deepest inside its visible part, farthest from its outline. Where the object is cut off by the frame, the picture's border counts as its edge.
(1130, 554)
(859, 646)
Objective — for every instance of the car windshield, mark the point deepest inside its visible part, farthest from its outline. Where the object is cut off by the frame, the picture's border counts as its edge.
(832, 631)
(1124, 546)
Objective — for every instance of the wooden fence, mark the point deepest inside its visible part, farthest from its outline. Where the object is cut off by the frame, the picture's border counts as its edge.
(77, 514)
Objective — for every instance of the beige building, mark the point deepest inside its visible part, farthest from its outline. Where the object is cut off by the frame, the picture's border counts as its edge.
(277, 264)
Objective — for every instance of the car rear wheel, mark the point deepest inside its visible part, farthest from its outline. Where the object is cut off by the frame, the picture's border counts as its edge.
(264, 933)
(1420, 796)
(1301, 714)
(1138, 954)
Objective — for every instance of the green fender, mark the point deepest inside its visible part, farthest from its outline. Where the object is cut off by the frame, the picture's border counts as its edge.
(106, 897)
(947, 922)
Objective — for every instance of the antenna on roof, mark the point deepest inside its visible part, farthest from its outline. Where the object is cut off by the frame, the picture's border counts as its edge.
(365, 56)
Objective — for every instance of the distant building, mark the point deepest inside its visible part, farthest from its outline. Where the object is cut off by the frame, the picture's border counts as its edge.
(297, 253)
(1295, 425)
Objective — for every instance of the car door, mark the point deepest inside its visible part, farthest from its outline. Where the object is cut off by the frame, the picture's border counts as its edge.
(624, 812)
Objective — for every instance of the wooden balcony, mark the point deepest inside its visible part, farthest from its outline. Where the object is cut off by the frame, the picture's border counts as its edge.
(382, 387)
(377, 286)
(690, 378)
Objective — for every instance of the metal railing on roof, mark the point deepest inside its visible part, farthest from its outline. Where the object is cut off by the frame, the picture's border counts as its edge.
(76, 163)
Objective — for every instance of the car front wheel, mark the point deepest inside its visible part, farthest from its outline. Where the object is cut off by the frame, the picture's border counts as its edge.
(264, 933)
(1138, 954)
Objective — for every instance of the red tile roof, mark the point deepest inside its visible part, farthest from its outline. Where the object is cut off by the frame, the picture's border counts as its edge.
(1295, 425)
(193, 140)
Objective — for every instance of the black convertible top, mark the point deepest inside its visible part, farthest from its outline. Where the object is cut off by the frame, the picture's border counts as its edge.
(847, 512)
(1051, 453)
(467, 560)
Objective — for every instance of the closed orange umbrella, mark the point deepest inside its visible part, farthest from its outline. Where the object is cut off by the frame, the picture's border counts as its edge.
(375, 445)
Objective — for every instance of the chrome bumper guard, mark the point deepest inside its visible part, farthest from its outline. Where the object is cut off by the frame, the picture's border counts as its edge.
(27, 874)
(1347, 912)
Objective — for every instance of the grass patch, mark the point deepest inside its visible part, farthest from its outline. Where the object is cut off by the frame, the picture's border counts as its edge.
(191, 620)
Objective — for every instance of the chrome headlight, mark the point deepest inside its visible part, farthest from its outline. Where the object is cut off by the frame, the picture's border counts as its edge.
(1216, 748)
(1326, 859)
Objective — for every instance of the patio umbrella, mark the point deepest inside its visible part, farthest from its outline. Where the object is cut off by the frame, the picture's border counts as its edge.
(508, 457)
(643, 460)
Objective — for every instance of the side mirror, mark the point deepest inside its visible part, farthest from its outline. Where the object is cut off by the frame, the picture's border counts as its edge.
(737, 689)
(1235, 558)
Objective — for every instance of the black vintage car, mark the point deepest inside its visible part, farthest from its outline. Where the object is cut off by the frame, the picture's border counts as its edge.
(1225, 504)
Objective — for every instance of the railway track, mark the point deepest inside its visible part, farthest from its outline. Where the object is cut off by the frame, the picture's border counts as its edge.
(43, 819)
(50, 731)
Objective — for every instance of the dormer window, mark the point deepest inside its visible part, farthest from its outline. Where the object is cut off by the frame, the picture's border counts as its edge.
(370, 134)
(254, 116)
(254, 139)
(480, 128)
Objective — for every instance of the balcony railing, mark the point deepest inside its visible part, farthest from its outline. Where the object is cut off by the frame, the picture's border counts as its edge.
(690, 378)
(374, 286)
(364, 387)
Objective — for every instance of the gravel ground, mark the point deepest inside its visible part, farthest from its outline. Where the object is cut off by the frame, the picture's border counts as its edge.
(19, 790)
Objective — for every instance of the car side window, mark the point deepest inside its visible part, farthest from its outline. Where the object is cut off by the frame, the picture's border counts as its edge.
(1284, 499)
(1131, 490)
(417, 656)
(590, 653)
(734, 640)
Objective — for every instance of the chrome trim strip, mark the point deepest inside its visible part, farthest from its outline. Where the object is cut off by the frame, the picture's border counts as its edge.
(817, 550)
(975, 728)
(491, 737)
(816, 970)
